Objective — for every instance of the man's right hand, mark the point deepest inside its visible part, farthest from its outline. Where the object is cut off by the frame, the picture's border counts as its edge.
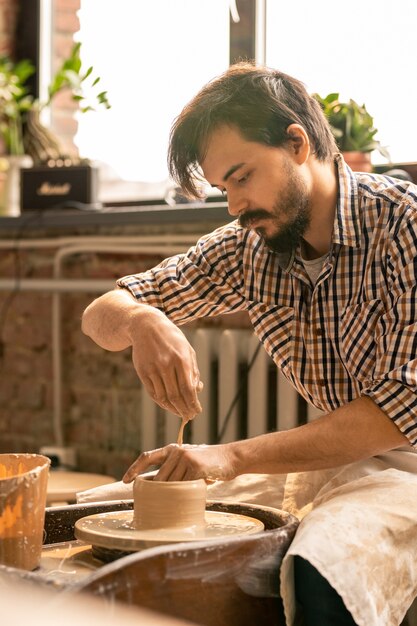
(166, 364)
(163, 358)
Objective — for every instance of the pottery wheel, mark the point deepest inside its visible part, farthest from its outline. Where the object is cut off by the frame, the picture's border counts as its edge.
(115, 530)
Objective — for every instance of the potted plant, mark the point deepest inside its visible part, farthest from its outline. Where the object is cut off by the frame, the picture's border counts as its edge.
(20, 111)
(14, 104)
(25, 139)
(353, 129)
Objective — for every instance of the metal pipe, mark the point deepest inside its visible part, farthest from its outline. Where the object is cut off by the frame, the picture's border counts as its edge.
(59, 242)
(63, 285)
(59, 257)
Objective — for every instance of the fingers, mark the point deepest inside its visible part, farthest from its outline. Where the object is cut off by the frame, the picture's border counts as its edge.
(188, 387)
(175, 464)
(181, 388)
(187, 462)
(167, 458)
(156, 389)
(171, 377)
(144, 461)
(173, 398)
(174, 467)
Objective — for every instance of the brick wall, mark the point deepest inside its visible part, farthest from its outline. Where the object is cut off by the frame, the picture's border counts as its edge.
(101, 392)
(8, 14)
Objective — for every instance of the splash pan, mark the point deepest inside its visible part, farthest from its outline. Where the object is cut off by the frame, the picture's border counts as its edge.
(115, 530)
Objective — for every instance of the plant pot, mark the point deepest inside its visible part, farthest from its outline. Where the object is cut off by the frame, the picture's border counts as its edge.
(358, 161)
(10, 196)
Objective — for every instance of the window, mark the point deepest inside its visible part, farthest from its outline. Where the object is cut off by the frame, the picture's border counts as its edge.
(152, 57)
(364, 49)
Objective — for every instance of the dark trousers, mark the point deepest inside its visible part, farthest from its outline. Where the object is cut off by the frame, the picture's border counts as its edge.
(319, 604)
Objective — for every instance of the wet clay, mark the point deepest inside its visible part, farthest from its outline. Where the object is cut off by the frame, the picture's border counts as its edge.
(163, 512)
(115, 530)
(23, 486)
(170, 504)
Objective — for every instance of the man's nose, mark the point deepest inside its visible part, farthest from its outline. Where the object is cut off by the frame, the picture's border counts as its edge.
(236, 203)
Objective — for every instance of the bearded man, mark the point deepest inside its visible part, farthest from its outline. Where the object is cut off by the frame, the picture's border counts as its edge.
(324, 262)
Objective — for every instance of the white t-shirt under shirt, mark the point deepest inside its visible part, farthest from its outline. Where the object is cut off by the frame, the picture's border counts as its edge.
(313, 267)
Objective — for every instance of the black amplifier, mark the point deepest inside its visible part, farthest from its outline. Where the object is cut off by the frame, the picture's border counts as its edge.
(44, 187)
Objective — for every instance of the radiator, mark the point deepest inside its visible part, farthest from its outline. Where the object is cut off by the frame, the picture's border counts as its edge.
(266, 401)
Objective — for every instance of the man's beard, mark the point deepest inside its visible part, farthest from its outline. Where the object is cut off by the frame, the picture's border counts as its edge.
(289, 235)
(292, 203)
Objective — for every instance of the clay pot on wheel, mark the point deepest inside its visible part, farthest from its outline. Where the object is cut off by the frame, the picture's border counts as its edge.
(170, 504)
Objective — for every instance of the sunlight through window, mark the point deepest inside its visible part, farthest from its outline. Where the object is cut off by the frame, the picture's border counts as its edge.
(364, 50)
(152, 57)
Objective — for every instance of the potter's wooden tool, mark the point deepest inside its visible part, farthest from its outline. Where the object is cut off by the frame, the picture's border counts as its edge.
(181, 432)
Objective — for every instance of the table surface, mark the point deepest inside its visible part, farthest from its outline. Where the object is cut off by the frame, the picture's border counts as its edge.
(63, 485)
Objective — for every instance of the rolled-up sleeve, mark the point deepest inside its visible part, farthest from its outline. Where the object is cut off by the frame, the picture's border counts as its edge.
(205, 281)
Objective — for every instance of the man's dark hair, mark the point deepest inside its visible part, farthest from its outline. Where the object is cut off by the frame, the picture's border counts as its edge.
(260, 102)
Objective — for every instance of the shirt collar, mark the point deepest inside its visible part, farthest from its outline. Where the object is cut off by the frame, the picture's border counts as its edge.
(346, 230)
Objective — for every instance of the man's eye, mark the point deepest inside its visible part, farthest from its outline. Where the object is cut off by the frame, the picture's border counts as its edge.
(243, 179)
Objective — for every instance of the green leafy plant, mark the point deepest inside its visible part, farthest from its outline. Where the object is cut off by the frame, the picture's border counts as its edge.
(70, 76)
(16, 103)
(351, 124)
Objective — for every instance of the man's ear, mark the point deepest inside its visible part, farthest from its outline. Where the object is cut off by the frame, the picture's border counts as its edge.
(298, 143)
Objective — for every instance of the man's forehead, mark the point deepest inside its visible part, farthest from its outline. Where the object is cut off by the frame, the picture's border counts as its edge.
(226, 151)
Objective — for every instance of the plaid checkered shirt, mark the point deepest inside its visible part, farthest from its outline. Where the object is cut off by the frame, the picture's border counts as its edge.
(353, 333)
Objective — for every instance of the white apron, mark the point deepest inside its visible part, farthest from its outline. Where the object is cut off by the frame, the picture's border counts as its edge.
(358, 529)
